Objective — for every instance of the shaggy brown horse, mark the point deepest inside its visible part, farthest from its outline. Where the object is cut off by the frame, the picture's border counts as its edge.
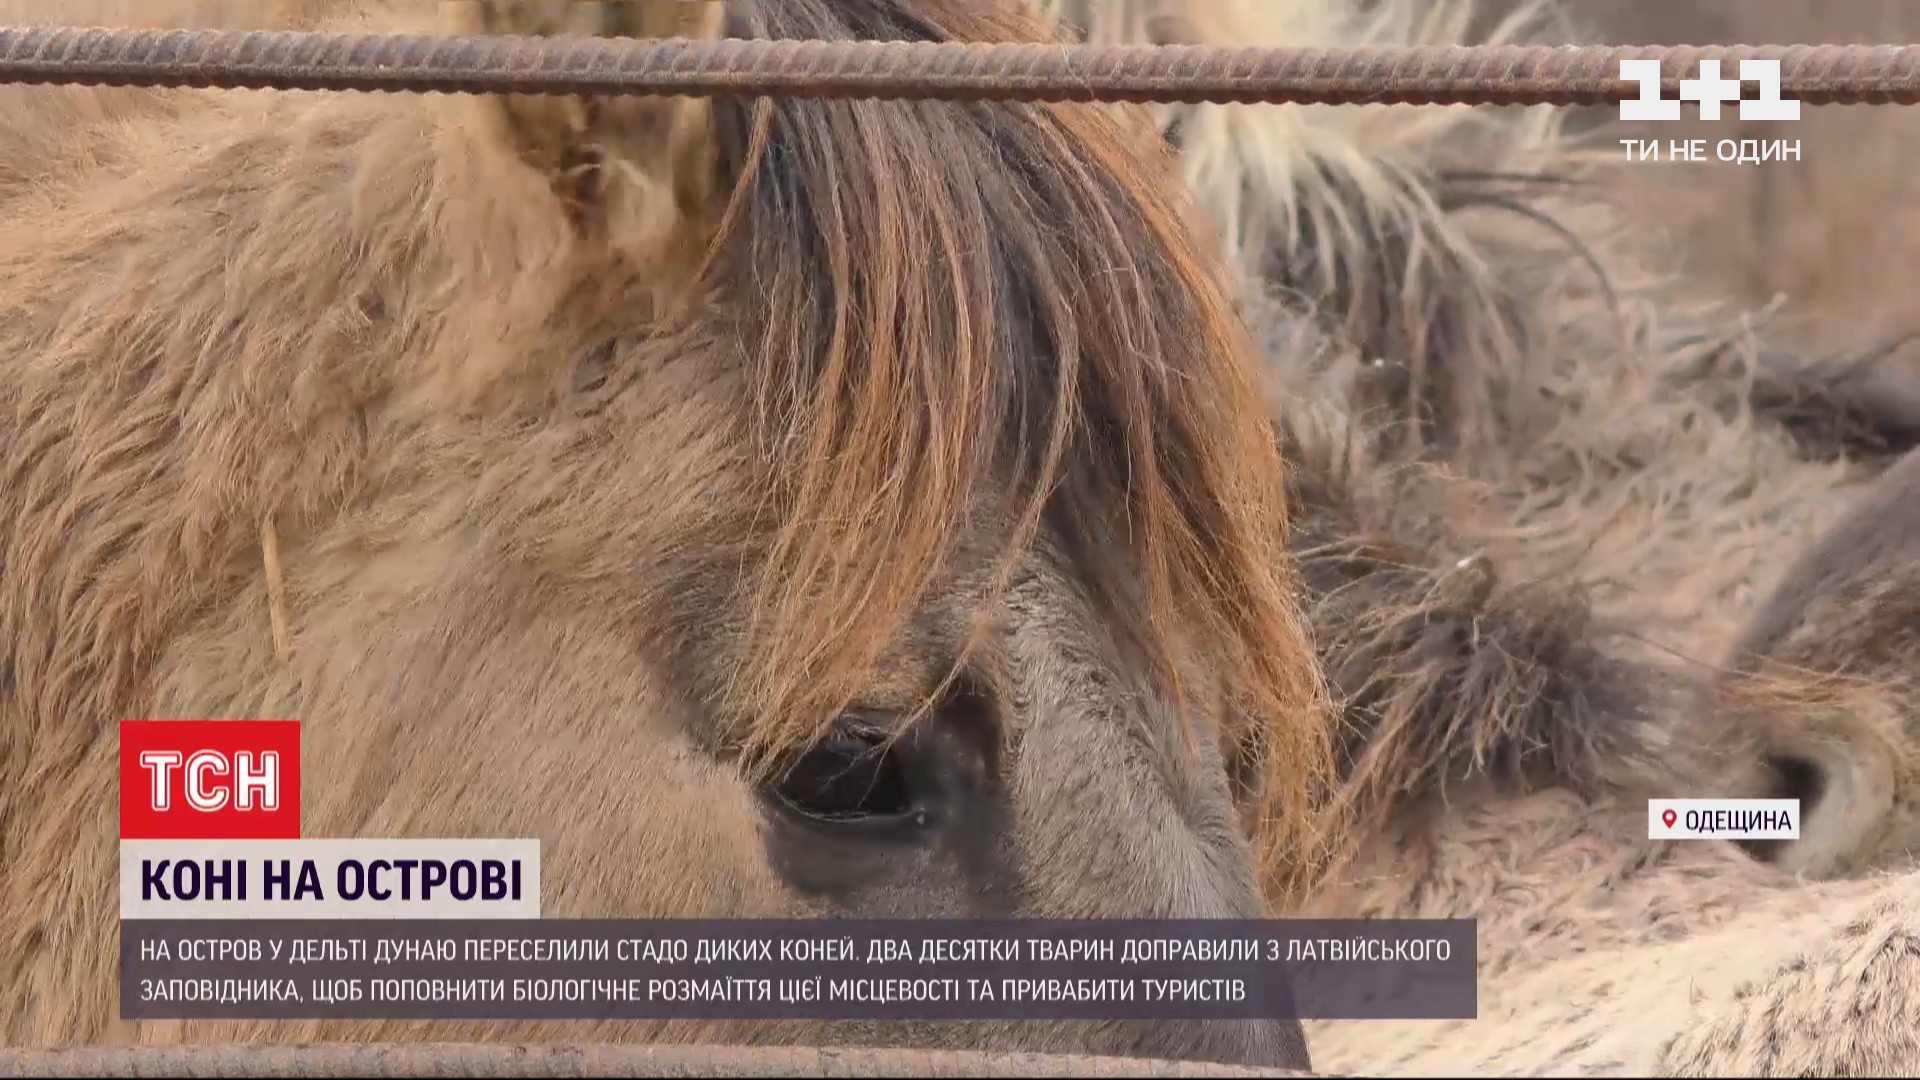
(1502, 748)
(778, 508)
(1504, 718)
(1500, 742)
(1470, 262)
(1444, 672)
(1849, 607)
(1503, 730)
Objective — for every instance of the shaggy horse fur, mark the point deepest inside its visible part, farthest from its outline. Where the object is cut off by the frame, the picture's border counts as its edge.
(1607, 436)
(1502, 730)
(1520, 684)
(1458, 257)
(1500, 745)
(1849, 606)
(1502, 736)
(1499, 758)
(1337, 210)
(628, 464)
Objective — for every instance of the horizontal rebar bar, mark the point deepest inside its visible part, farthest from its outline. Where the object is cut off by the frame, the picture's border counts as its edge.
(1471, 75)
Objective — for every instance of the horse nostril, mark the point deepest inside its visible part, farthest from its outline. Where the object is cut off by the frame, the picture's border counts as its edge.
(1798, 778)
(1788, 778)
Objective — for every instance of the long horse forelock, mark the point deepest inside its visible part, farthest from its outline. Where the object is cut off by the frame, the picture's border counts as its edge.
(964, 305)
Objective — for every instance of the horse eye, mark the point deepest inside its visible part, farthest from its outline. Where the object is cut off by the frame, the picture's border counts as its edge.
(852, 774)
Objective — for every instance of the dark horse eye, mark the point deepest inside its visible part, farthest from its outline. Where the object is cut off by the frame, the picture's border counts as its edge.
(853, 774)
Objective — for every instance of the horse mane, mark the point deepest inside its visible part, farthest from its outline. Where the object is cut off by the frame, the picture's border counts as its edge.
(1357, 230)
(1359, 215)
(1002, 305)
(1446, 677)
(943, 307)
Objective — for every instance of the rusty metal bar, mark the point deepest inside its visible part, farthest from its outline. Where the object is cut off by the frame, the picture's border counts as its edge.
(1489, 74)
(486, 1060)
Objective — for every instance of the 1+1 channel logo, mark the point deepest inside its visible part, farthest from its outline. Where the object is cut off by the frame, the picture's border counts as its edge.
(1711, 91)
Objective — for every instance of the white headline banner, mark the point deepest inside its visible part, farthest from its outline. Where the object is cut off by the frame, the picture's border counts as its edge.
(330, 879)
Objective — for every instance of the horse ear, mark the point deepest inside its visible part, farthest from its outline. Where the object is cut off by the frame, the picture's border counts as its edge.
(642, 170)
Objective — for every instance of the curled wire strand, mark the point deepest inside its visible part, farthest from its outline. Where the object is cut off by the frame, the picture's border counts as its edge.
(1436, 75)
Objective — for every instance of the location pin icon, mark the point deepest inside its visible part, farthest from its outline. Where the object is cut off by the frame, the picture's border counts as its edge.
(1667, 816)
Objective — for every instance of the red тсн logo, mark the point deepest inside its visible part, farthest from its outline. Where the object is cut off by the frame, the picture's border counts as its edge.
(209, 779)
